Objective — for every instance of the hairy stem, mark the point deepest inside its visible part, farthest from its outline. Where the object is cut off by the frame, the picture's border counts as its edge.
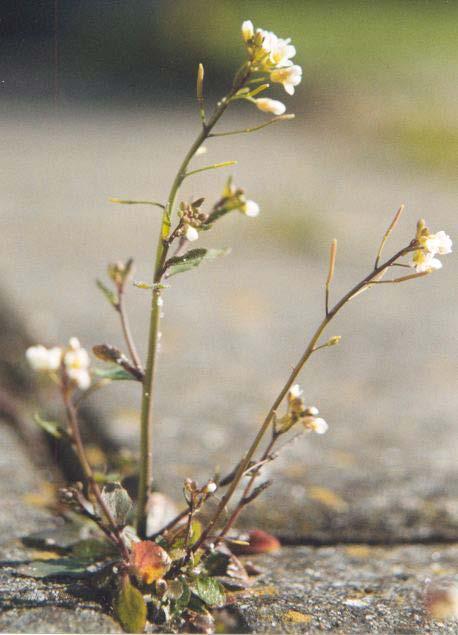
(237, 511)
(146, 421)
(291, 379)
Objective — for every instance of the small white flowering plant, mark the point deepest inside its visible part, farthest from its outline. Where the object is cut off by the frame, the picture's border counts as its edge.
(176, 573)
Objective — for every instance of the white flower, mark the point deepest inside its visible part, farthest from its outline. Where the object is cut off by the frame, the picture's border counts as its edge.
(77, 362)
(191, 233)
(289, 77)
(270, 105)
(250, 208)
(279, 51)
(426, 262)
(317, 424)
(41, 358)
(423, 259)
(295, 391)
(438, 243)
(312, 411)
(210, 487)
(247, 30)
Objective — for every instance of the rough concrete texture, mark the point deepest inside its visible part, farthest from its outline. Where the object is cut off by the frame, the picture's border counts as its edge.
(334, 589)
(353, 589)
(28, 605)
(63, 620)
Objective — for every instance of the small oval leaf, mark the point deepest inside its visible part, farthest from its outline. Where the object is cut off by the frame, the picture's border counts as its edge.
(149, 561)
(192, 258)
(130, 608)
(209, 590)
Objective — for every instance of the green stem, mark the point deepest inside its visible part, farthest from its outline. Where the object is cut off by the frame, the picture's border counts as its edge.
(146, 421)
(284, 391)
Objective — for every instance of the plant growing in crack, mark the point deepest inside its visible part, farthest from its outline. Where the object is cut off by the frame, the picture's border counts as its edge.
(177, 573)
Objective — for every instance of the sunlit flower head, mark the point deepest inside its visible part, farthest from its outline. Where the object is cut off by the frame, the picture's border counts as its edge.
(44, 359)
(250, 208)
(77, 362)
(289, 77)
(271, 106)
(438, 243)
(431, 245)
(317, 424)
(191, 233)
(279, 51)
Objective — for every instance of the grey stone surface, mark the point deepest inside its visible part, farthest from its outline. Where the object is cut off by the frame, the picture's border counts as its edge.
(50, 620)
(335, 589)
(354, 589)
(28, 605)
(18, 478)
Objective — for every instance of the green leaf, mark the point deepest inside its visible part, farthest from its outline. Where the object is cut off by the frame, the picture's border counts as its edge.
(209, 590)
(117, 501)
(192, 258)
(108, 293)
(180, 593)
(130, 608)
(51, 427)
(58, 568)
(115, 373)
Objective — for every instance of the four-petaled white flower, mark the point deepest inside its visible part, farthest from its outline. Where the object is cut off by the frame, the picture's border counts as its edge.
(438, 243)
(424, 259)
(44, 359)
(191, 233)
(270, 105)
(77, 361)
(289, 77)
(250, 208)
(279, 51)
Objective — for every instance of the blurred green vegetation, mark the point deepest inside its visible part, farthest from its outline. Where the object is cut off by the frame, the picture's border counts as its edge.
(344, 41)
(389, 62)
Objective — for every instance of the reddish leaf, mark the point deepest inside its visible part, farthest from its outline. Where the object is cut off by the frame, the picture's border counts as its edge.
(149, 561)
(258, 542)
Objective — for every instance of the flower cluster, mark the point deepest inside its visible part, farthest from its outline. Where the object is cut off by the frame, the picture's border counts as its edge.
(190, 219)
(430, 245)
(271, 54)
(297, 412)
(73, 361)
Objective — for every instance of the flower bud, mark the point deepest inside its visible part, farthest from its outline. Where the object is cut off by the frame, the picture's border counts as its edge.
(270, 105)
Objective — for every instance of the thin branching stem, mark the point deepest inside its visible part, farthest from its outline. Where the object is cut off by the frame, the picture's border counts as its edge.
(125, 325)
(332, 264)
(77, 442)
(239, 508)
(291, 379)
(131, 202)
(386, 235)
(254, 128)
(214, 166)
(146, 421)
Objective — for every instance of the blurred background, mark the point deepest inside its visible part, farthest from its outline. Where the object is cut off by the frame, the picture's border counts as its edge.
(97, 100)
